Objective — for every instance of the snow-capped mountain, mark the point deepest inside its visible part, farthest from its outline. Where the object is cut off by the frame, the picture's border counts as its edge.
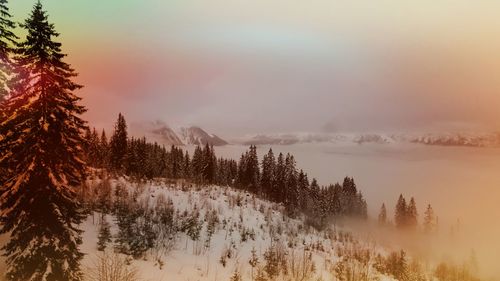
(197, 136)
(162, 133)
(157, 131)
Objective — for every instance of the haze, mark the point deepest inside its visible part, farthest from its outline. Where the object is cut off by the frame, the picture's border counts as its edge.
(240, 67)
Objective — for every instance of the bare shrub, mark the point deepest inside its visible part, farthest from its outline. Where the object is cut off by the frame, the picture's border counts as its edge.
(112, 267)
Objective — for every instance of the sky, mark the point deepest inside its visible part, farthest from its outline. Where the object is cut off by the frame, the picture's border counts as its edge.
(274, 66)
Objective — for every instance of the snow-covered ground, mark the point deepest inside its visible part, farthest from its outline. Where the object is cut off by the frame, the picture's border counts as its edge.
(237, 212)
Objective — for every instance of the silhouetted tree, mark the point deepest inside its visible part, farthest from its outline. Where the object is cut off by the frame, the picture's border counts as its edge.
(412, 214)
(118, 144)
(400, 216)
(268, 173)
(42, 146)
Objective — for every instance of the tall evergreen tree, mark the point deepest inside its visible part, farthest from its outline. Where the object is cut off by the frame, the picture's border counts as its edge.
(412, 214)
(400, 216)
(197, 165)
(303, 187)
(268, 172)
(103, 151)
(252, 170)
(279, 186)
(42, 148)
(118, 144)
(291, 184)
(7, 42)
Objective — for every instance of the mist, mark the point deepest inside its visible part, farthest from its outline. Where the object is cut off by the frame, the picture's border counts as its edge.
(380, 67)
(460, 184)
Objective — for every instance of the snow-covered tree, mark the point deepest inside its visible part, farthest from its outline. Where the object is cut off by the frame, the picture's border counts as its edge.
(41, 146)
(104, 236)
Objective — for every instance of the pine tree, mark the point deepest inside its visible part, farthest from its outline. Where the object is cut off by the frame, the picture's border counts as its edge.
(93, 143)
(429, 219)
(400, 216)
(7, 41)
(349, 197)
(412, 214)
(104, 236)
(279, 187)
(42, 148)
(197, 165)
(103, 151)
(303, 187)
(118, 144)
(382, 217)
(291, 185)
(252, 170)
(268, 173)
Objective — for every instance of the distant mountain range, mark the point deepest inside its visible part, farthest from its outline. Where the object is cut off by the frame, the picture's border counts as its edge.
(160, 132)
(441, 139)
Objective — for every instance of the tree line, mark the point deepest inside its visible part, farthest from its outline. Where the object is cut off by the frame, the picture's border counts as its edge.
(275, 178)
(406, 216)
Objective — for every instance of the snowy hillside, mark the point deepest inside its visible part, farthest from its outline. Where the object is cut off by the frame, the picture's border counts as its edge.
(224, 230)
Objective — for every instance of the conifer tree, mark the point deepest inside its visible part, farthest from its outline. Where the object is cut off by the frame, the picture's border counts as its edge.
(252, 170)
(412, 214)
(291, 192)
(279, 188)
(197, 165)
(382, 217)
(118, 144)
(303, 187)
(7, 42)
(400, 216)
(268, 172)
(42, 148)
(103, 151)
(429, 219)
(104, 236)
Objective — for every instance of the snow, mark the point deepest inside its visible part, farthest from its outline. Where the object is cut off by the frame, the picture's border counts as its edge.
(190, 260)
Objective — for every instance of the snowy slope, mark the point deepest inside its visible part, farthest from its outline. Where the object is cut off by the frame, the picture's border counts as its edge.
(239, 214)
